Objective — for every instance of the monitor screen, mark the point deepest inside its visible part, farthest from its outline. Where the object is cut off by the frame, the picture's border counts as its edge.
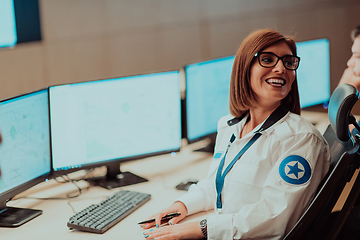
(98, 122)
(25, 157)
(207, 96)
(7, 24)
(313, 74)
(19, 22)
(24, 125)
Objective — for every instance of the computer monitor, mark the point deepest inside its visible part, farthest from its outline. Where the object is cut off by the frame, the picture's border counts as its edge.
(25, 158)
(8, 35)
(207, 98)
(313, 73)
(107, 122)
(19, 22)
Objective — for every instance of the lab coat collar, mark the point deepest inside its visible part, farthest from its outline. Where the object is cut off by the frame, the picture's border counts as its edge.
(266, 126)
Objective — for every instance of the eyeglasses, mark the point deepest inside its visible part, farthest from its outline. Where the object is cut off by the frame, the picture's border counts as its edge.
(269, 59)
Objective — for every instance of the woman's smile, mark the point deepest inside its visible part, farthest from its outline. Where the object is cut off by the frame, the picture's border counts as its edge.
(276, 82)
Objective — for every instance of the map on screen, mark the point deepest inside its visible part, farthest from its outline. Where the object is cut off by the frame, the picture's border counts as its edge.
(25, 150)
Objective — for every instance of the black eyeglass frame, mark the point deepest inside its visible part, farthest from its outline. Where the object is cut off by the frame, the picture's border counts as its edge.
(257, 55)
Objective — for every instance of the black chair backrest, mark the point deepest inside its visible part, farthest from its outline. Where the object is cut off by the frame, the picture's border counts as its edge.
(313, 224)
(341, 102)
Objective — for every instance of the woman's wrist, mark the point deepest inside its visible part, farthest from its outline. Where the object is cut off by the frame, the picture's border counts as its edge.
(183, 207)
(203, 227)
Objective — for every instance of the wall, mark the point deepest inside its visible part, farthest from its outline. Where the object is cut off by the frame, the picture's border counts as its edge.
(96, 39)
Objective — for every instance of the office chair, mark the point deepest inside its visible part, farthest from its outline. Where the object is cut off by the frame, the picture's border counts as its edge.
(318, 221)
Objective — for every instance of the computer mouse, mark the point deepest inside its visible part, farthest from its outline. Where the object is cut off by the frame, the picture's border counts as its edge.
(184, 185)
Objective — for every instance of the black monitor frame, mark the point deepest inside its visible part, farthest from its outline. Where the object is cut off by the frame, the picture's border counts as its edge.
(113, 177)
(27, 19)
(13, 216)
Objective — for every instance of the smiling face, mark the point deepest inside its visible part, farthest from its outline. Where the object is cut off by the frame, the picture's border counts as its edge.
(271, 85)
(354, 61)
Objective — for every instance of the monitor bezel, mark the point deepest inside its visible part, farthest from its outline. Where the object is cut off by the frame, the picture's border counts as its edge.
(110, 162)
(9, 194)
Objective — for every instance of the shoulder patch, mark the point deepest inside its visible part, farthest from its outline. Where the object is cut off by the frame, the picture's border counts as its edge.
(295, 170)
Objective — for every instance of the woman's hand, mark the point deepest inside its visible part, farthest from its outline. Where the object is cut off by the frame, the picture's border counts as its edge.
(350, 77)
(188, 230)
(176, 207)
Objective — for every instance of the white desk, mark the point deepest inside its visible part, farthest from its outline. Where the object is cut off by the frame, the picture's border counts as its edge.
(163, 172)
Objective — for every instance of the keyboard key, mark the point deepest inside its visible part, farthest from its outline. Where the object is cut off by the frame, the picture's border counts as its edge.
(98, 218)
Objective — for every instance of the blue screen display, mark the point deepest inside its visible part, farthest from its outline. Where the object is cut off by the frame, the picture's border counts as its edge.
(207, 95)
(313, 74)
(25, 150)
(114, 119)
(7, 24)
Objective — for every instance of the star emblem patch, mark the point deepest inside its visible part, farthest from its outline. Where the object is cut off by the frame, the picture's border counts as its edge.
(295, 170)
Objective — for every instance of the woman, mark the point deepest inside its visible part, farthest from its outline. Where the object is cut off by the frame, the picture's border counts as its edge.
(263, 193)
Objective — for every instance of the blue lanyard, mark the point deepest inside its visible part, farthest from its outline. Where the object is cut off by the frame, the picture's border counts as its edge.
(220, 178)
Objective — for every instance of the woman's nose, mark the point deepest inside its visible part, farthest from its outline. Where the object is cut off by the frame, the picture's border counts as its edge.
(279, 67)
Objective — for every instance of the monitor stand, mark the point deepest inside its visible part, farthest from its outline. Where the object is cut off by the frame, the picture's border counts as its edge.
(208, 148)
(14, 217)
(114, 178)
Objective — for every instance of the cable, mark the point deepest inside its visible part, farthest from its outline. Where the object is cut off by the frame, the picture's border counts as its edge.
(72, 208)
(88, 172)
(68, 196)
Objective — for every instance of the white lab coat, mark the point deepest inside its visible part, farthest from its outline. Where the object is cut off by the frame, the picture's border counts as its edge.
(259, 202)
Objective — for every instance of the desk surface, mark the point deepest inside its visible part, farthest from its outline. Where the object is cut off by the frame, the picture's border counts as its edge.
(163, 172)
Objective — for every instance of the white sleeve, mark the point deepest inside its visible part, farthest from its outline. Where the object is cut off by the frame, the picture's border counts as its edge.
(200, 197)
(281, 203)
